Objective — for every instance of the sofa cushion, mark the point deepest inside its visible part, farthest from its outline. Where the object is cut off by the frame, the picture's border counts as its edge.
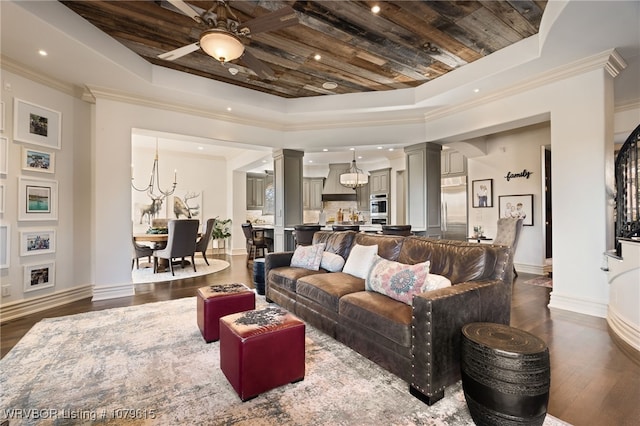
(388, 245)
(287, 276)
(308, 257)
(397, 280)
(360, 260)
(459, 261)
(336, 242)
(379, 314)
(332, 262)
(327, 289)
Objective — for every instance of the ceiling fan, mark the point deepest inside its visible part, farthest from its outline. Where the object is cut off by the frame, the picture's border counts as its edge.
(225, 37)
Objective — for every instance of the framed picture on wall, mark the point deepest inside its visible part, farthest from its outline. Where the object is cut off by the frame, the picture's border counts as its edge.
(518, 206)
(37, 160)
(37, 199)
(5, 249)
(37, 241)
(36, 124)
(2, 191)
(482, 191)
(39, 276)
(4, 156)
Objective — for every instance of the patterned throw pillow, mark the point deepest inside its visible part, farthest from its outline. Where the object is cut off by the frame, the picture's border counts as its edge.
(397, 280)
(331, 262)
(360, 259)
(308, 257)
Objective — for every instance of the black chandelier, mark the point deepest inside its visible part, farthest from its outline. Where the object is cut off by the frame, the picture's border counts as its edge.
(153, 189)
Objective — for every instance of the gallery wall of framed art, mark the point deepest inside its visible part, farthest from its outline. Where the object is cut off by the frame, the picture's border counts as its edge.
(30, 155)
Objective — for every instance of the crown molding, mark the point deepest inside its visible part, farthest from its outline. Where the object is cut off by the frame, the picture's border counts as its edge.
(10, 65)
(114, 95)
(609, 60)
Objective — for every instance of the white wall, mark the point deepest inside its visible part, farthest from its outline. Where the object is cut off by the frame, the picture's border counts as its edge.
(513, 151)
(73, 273)
(199, 174)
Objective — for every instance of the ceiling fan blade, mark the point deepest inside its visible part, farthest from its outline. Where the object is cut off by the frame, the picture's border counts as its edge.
(281, 18)
(257, 65)
(186, 9)
(179, 52)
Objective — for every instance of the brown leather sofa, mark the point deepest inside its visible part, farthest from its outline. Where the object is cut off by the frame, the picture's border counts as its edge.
(418, 343)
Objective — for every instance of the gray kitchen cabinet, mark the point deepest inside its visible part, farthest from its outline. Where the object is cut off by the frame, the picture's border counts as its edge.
(379, 181)
(453, 163)
(255, 191)
(362, 195)
(312, 193)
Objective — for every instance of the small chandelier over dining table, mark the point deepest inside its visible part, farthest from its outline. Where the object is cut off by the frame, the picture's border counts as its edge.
(354, 177)
(153, 189)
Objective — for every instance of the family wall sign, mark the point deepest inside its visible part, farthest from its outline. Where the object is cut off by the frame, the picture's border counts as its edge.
(523, 174)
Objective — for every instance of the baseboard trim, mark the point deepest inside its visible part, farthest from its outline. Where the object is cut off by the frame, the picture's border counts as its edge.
(112, 291)
(625, 334)
(530, 269)
(580, 306)
(24, 307)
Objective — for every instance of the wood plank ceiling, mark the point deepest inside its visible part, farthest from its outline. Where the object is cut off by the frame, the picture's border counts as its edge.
(406, 44)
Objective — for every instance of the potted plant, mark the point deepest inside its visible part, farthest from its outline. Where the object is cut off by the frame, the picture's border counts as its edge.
(220, 232)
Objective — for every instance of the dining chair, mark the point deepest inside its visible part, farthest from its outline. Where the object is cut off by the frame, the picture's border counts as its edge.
(303, 234)
(256, 241)
(140, 250)
(181, 242)
(396, 230)
(203, 242)
(507, 234)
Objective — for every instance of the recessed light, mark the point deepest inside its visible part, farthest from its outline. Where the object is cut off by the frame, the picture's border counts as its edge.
(359, 157)
(352, 149)
(42, 52)
(324, 150)
(317, 57)
(228, 108)
(329, 85)
(379, 147)
(476, 90)
(311, 161)
(390, 149)
(375, 9)
(201, 148)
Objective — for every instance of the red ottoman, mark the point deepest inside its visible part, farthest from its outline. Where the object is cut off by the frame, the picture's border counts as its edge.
(216, 301)
(261, 350)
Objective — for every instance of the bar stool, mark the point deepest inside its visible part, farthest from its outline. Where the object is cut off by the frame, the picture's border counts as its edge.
(303, 234)
(346, 228)
(396, 230)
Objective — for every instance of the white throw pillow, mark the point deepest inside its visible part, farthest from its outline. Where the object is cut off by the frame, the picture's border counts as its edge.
(331, 262)
(435, 282)
(360, 260)
(308, 257)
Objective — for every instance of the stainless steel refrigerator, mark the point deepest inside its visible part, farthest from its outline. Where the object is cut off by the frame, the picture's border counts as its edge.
(454, 208)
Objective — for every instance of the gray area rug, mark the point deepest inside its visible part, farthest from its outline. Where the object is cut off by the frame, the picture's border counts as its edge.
(148, 364)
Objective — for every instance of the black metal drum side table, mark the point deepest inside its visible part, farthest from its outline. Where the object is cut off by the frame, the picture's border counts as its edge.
(505, 375)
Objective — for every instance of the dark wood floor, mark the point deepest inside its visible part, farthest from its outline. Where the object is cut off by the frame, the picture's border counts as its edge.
(592, 381)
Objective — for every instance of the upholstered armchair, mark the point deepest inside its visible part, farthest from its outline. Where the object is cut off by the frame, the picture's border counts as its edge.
(203, 242)
(508, 234)
(181, 243)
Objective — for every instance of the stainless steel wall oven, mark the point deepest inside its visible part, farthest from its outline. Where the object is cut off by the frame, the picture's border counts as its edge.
(379, 208)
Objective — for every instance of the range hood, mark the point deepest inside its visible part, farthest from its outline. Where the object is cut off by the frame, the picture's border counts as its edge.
(332, 190)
